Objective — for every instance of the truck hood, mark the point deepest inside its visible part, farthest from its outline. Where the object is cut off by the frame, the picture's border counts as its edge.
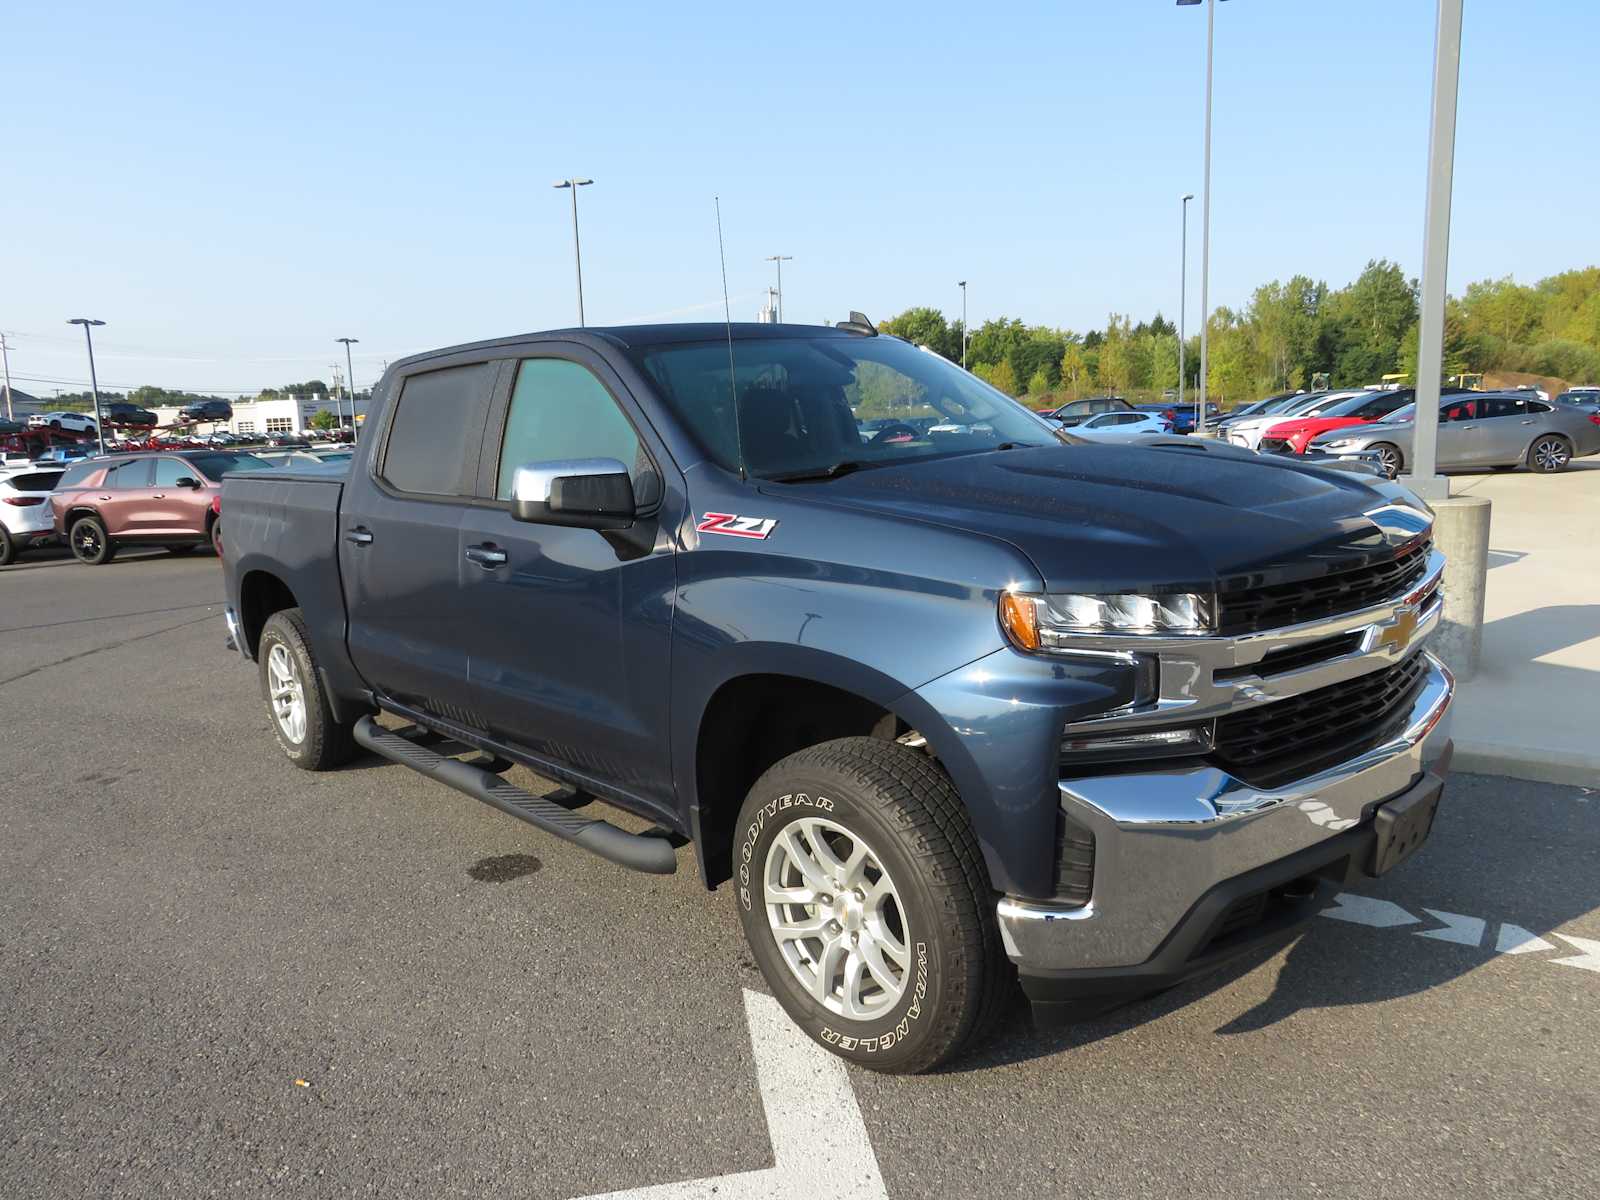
(1171, 514)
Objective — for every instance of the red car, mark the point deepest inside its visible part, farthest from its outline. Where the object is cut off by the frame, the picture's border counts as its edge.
(157, 499)
(1292, 436)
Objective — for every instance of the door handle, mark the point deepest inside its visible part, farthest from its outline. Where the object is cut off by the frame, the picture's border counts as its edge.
(486, 557)
(159, 496)
(1527, 422)
(105, 497)
(359, 537)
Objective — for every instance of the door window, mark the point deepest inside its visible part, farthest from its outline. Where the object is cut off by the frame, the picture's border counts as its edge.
(170, 470)
(431, 435)
(135, 474)
(1460, 410)
(560, 410)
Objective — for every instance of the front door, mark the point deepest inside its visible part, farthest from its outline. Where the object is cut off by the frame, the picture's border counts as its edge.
(1459, 432)
(570, 628)
(171, 507)
(399, 545)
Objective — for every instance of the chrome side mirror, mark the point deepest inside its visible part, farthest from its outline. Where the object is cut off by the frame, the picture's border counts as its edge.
(589, 493)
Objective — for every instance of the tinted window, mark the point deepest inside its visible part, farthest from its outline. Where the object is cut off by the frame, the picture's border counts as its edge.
(135, 474)
(170, 470)
(35, 481)
(75, 475)
(1459, 410)
(429, 436)
(560, 410)
(215, 466)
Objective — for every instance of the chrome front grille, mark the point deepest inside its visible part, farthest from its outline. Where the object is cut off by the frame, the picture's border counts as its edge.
(1327, 595)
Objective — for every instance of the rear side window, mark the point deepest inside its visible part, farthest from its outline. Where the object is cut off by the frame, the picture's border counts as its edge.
(434, 431)
(73, 476)
(35, 481)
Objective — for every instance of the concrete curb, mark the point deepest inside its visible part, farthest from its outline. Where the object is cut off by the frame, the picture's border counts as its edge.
(1526, 762)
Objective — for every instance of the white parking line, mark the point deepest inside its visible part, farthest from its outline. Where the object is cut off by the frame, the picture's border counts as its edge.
(1463, 930)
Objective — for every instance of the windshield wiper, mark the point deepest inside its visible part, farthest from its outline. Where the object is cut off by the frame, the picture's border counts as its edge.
(843, 467)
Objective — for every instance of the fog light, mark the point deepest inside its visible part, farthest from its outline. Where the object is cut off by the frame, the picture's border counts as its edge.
(1135, 743)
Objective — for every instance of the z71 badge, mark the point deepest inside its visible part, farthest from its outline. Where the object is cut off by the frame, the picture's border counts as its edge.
(737, 526)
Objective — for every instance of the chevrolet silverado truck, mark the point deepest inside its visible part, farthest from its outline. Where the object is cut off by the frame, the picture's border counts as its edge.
(947, 702)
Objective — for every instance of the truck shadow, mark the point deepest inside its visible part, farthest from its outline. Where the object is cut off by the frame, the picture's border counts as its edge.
(1517, 857)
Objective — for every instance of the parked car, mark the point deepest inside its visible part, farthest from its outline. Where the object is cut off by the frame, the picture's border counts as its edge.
(1476, 429)
(1261, 408)
(1586, 399)
(62, 455)
(1294, 434)
(1120, 427)
(25, 519)
(933, 708)
(1249, 432)
(68, 422)
(121, 413)
(208, 410)
(1183, 415)
(1074, 411)
(152, 499)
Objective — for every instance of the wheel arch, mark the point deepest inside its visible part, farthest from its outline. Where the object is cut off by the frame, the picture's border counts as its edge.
(261, 593)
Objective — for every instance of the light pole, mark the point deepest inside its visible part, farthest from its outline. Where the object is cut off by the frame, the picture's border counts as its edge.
(94, 384)
(1183, 288)
(963, 286)
(1205, 225)
(577, 252)
(350, 384)
(780, 259)
(5, 358)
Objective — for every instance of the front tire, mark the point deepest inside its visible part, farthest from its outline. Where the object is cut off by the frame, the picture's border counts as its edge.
(1549, 454)
(91, 544)
(867, 905)
(297, 703)
(1389, 458)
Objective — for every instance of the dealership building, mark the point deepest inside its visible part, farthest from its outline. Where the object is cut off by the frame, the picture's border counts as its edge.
(277, 414)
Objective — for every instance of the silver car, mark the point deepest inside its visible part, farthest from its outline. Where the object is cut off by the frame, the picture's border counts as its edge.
(1476, 429)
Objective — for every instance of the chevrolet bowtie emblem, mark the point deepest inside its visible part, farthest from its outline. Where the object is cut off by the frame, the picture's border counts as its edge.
(1398, 633)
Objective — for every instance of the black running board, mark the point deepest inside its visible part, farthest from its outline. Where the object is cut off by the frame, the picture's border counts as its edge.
(639, 851)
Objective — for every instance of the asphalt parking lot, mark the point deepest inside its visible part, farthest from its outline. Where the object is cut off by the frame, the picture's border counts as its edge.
(222, 975)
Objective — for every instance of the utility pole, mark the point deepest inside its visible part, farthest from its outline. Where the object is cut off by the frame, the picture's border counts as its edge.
(963, 286)
(577, 251)
(94, 383)
(5, 357)
(1205, 225)
(780, 259)
(1183, 290)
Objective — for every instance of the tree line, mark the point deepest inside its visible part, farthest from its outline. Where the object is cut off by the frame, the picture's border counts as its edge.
(1288, 336)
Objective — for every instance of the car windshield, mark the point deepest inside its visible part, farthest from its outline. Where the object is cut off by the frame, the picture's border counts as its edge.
(215, 466)
(820, 406)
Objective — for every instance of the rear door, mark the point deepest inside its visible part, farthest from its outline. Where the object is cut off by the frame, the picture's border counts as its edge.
(399, 548)
(570, 628)
(123, 498)
(1509, 426)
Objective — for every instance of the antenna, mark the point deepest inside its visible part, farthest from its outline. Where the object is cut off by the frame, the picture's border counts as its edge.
(727, 319)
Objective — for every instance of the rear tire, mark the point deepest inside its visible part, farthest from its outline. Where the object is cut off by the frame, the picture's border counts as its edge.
(870, 846)
(8, 548)
(297, 703)
(1549, 454)
(91, 544)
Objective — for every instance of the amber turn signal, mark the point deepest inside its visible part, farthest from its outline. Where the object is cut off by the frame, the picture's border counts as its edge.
(1019, 618)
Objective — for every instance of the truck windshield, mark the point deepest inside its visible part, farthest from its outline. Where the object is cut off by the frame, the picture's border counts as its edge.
(820, 407)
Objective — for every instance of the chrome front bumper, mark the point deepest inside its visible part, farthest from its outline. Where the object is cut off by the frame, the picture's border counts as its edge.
(1165, 838)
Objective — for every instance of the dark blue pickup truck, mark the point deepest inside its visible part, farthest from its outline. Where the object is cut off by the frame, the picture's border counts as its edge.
(948, 701)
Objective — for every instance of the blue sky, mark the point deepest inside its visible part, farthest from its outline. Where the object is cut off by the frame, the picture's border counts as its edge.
(231, 187)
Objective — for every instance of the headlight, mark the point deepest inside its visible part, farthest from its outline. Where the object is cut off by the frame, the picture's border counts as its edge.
(1050, 622)
(1338, 444)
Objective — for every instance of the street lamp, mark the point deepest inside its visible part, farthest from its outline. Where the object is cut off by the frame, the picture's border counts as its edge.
(94, 384)
(780, 259)
(577, 253)
(963, 286)
(350, 384)
(1183, 289)
(1205, 224)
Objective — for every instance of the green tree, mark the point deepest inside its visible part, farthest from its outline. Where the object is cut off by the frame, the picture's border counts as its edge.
(1038, 383)
(323, 419)
(1073, 371)
(927, 327)
(1003, 377)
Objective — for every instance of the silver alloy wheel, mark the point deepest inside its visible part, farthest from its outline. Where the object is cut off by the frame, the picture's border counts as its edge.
(1389, 460)
(837, 918)
(1550, 454)
(286, 694)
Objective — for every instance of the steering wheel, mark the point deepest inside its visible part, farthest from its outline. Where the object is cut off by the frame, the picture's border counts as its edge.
(893, 433)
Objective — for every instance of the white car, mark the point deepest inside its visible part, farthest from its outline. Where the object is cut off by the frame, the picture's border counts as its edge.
(75, 422)
(26, 519)
(1249, 432)
(1120, 427)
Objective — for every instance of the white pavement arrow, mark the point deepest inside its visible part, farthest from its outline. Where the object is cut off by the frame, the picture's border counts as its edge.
(1514, 939)
(820, 1147)
(1465, 931)
(1589, 960)
(1364, 910)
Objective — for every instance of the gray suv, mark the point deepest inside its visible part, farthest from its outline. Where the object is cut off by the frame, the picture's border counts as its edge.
(1476, 429)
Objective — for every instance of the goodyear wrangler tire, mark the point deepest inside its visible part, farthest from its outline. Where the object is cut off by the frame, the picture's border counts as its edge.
(867, 905)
